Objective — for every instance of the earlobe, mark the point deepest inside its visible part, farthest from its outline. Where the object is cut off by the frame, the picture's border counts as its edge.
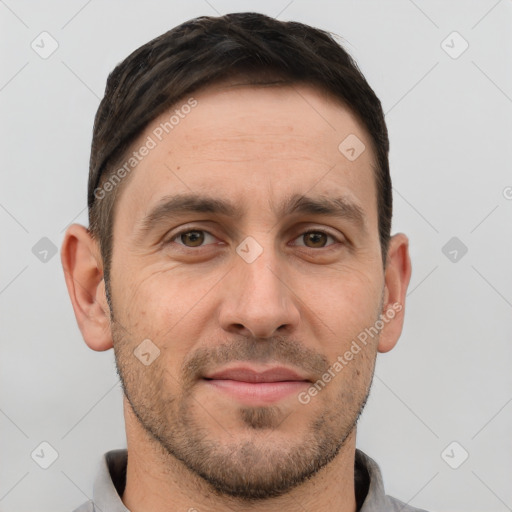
(397, 277)
(83, 272)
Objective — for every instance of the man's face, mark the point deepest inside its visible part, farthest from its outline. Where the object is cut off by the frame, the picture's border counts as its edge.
(293, 296)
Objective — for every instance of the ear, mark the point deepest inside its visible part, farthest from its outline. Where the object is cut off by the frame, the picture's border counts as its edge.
(396, 280)
(83, 271)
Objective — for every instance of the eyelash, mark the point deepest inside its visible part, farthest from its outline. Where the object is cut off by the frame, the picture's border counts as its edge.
(188, 230)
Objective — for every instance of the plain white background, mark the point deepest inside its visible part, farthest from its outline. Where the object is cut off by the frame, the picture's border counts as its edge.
(450, 125)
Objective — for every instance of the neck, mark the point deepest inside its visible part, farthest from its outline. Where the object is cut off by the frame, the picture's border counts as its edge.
(157, 481)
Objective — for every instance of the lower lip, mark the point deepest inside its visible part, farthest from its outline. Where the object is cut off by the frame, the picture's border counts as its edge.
(263, 392)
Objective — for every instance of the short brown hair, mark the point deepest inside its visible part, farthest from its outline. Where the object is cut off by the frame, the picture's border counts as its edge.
(206, 50)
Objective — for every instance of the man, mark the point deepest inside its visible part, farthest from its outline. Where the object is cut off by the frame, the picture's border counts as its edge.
(239, 261)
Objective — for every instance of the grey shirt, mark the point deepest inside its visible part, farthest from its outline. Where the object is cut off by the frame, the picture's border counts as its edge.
(111, 479)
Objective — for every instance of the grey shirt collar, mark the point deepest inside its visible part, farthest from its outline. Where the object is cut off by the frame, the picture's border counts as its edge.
(111, 479)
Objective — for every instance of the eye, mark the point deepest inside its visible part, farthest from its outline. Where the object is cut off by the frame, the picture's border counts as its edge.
(315, 239)
(192, 238)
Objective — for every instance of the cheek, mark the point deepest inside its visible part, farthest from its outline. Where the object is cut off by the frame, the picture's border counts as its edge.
(349, 310)
(347, 299)
(168, 308)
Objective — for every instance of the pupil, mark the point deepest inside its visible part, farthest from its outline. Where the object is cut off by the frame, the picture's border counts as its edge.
(194, 238)
(316, 238)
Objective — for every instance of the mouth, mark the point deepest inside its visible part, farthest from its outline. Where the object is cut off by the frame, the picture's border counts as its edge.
(253, 387)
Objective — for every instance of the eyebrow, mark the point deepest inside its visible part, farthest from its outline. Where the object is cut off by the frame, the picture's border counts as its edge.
(170, 207)
(341, 207)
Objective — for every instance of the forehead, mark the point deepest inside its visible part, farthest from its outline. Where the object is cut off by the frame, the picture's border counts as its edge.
(258, 143)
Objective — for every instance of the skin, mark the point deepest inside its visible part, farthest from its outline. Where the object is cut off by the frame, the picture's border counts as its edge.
(301, 303)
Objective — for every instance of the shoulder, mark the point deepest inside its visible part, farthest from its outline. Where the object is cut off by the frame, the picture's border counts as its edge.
(399, 506)
(108, 484)
(86, 507)
(374, 497)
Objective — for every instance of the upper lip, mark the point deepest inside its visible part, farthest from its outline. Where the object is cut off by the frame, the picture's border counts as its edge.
(247, 374)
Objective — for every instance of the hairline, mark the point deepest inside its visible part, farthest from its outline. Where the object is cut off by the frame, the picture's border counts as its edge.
(281, 81)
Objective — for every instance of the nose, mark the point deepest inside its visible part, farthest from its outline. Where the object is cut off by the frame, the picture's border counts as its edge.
(258, 301)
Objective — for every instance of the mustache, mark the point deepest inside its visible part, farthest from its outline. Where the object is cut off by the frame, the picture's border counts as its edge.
(278, 349)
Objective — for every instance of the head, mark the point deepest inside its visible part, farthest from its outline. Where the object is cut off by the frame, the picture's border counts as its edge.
(240, 214)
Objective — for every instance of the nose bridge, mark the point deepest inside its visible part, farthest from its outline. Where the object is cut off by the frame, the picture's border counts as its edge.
(260, 301)
(261, 276)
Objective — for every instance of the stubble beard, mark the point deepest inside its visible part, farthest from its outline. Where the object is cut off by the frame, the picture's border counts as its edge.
(253, 464)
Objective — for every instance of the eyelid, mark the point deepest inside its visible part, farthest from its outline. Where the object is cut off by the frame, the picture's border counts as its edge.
(303, 231)
(319, 230)
(172, 238)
